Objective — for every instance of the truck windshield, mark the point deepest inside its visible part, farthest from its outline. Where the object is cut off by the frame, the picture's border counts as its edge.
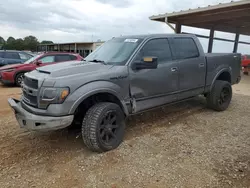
(115, 51)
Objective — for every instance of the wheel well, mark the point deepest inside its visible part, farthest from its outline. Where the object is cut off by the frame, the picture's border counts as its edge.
(92, 100)
(19, 73)
(225, 76)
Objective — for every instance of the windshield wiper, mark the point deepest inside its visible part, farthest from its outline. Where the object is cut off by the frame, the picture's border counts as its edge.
(98, 61)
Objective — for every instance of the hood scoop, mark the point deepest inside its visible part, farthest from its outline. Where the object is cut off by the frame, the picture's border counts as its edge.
(42, 71)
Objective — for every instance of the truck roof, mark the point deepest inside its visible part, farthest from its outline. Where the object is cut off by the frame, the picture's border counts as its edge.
(145, 36)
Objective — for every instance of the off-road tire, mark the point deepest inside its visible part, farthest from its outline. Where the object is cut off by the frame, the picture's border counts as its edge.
(18, 76)
(92, 123)
(214, 98)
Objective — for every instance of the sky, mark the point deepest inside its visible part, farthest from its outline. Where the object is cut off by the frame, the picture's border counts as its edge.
(90, 20)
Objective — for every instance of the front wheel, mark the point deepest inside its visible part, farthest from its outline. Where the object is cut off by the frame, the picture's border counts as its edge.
(19, 79)
(220, 96)
(103, 127)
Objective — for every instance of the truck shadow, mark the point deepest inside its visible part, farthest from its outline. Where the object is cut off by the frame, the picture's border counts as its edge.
(165, 116)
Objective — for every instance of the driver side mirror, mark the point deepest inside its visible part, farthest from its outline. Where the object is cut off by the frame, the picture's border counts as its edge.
(146, 63)
(38, 62)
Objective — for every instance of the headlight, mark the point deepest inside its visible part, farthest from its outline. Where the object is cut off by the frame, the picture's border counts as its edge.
(7, 70)
(53, 96)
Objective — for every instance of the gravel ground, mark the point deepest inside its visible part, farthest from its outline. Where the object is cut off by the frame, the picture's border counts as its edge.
(184, 145)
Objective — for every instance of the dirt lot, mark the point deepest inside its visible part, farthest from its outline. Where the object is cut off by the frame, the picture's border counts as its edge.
(184, 145)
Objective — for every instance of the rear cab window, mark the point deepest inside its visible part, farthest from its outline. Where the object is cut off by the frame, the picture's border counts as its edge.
(185, 48)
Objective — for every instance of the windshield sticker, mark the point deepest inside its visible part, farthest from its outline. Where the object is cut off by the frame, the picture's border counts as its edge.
(131, 40)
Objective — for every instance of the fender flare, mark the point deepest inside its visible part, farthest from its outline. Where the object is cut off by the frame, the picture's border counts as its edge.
(96, 91)
(229, 70)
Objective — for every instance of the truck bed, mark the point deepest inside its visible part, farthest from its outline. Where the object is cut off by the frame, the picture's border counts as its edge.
(219, 61)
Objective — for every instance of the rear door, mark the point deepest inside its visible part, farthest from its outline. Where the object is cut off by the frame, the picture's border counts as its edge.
(192, 66)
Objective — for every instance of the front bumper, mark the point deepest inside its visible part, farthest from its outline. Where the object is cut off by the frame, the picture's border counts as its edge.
(34, 122)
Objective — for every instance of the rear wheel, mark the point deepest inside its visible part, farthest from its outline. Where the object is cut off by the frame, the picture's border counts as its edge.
(103, 127)
(220, 96)
(19, 79)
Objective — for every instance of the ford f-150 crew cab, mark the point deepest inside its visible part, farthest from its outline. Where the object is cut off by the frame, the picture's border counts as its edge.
(125, 76)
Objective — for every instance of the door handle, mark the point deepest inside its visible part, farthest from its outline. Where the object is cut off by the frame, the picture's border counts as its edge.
(201, 65)
(174, 69)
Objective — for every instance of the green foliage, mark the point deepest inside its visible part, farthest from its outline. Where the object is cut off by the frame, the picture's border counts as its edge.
(46, 42)
(27, 43)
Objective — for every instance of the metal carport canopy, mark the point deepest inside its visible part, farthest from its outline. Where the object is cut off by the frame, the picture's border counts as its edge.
(233, 17)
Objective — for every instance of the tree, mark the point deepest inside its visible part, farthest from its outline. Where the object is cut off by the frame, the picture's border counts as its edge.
(46, 42)
(9, 45)
(19, 44)
(30, 43)
(2, 42)
(10, 40)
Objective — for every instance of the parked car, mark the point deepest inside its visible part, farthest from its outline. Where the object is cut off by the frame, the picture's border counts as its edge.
(13, 74)
(125, 76)
(245, 63)
(8, 57)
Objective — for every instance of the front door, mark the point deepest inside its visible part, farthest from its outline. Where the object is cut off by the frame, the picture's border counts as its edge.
(154, 87)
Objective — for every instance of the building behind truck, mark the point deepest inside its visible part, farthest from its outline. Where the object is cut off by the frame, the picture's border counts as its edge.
(82, 48)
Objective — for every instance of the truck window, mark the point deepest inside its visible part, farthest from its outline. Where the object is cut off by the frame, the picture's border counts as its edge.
(157, 48)
(11, 55)
(185, 48)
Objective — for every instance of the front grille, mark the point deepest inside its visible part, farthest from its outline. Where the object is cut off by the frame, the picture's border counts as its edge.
(32, 83)
(29, 99)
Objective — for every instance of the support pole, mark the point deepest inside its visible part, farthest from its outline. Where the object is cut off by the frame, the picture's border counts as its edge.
(75, 47)
(211, 41)
(236, 42)
(178, 28)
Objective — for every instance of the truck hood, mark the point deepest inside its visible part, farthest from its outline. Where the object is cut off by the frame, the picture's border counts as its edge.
(11, 66)
(72, 68)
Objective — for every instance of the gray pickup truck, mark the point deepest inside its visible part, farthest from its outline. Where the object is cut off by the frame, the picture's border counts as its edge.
(125, 76)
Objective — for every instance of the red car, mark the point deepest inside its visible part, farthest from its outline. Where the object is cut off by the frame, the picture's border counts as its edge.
(245, 61)
(13, 74)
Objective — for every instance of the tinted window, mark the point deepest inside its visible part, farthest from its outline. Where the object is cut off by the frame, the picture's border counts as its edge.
(1, 54)
(24, 56)
(11, 55)
(185, 48)
(47, 59)
(72, 57)
(60, 58)
(157, 48)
